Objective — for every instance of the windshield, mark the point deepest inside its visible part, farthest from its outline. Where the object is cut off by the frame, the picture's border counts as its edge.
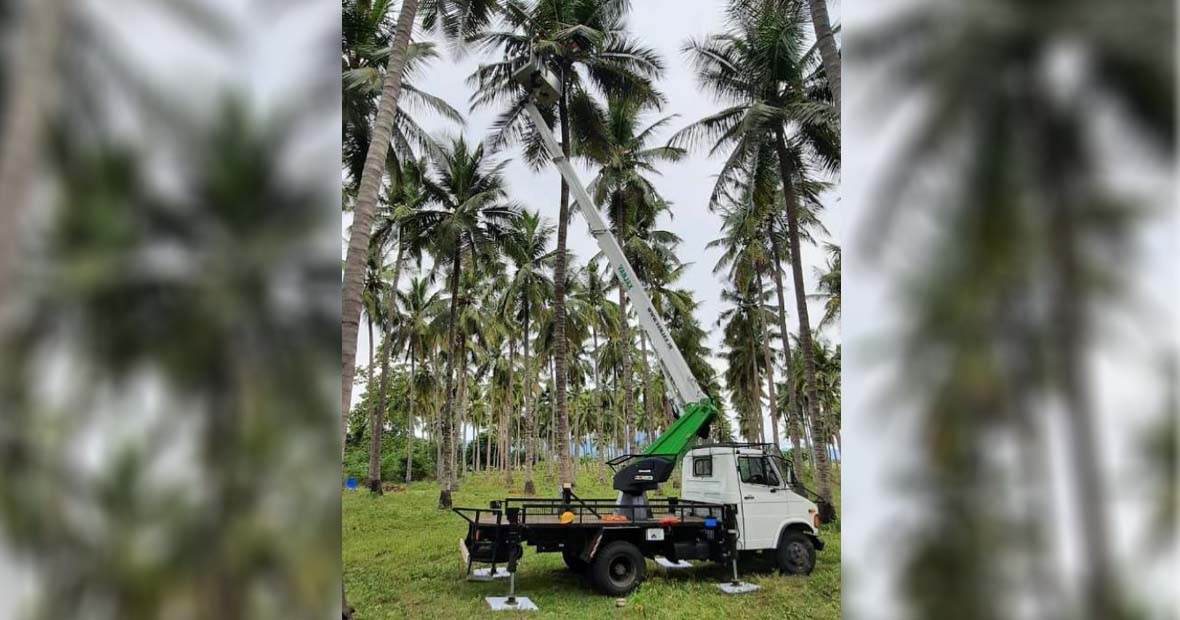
(784, 469)
(758, 470)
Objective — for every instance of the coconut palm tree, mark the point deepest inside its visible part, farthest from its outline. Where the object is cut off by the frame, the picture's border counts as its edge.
(527, 292)
(592, 292)
(577, 331)
(1021, 162)
(747, 256)
(382, 313)
(365, 206)
(405, 197)
(479, 285)
(825, 39)
(367, 31)
(231, 327)
(584, 44)
(776, 116)
(468, 217)
(613, 139)
(416, 306)
(746, 364)
(692, 340)
(454, 17)
(829, 285)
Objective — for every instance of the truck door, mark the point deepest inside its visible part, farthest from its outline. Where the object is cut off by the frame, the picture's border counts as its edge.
(764, 502)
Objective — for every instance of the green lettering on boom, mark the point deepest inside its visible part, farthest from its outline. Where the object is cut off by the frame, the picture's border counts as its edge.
(624, 278)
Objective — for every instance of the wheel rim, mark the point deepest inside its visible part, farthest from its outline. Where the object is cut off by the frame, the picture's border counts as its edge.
(797, 556)
(622, 570)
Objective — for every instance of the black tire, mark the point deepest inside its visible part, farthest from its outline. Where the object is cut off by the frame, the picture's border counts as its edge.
(572, 558)
(618, 568)
(796, 553)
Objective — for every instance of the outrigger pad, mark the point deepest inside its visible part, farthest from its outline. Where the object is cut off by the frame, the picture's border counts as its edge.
(669, 564)
(486, 574)
(740, 587)
(520, 603)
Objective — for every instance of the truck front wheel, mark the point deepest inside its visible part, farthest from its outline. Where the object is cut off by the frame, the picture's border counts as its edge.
(618, 568)
(796, 553)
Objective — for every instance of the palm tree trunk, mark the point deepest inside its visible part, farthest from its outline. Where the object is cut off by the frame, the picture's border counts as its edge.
(436, 431)
(475, 444)
(521, 438)
(770, 391)
(30, 88)
(487, 454)
(808, 443)
(371, 378)
(410, 420)
(792, 420)
(614, 431)
(509, 399)
(574, 433)
(365, 207)
(447, 419)
(559, 346)
(599, 413)
(756, 384)
(624, 342)
(1069, 334)
(822, 467)
(646, 370)
(377, 424)
(826, 41)
(461, 410)
(550, 432)
(529, 414)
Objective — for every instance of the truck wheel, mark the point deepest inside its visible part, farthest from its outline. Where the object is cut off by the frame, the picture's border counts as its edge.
(618, 568)
(572, 558)
(796, 553)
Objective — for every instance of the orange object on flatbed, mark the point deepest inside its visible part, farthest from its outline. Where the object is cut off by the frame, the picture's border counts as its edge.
(614, 518)
(669, 520)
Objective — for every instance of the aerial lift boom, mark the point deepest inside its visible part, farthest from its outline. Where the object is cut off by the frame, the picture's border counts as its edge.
(644, 472)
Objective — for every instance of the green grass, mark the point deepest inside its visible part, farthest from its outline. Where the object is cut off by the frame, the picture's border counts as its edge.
(401, 560)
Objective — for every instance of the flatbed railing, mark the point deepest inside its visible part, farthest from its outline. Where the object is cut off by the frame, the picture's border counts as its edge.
(533, 511)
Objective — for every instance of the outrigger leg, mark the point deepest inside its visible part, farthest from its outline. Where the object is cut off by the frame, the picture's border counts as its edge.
(511, 602)
(737, 586)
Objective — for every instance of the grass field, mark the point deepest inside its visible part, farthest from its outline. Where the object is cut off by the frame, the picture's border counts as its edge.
(401, 560)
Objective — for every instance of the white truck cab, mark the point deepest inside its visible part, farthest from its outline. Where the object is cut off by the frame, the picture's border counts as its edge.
(770, 515)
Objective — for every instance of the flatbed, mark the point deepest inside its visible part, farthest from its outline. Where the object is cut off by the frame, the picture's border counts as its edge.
(597, 538)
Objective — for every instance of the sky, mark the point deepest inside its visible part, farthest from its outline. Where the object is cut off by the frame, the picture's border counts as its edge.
(664, 25)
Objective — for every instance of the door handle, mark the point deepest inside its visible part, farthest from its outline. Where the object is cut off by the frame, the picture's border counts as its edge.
(748, 497)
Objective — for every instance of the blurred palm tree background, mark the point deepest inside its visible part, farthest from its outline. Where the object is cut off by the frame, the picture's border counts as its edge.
(1015, 226)
(168, 310)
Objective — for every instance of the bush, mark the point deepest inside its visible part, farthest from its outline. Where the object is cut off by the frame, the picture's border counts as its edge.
(393, 459)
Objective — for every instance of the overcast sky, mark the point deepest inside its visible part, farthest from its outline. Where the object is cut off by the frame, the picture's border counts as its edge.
(664, 25)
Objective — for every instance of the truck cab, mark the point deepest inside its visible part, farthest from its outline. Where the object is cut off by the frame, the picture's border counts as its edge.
(756, 479)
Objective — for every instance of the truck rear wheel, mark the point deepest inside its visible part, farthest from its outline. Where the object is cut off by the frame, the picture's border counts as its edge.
(618, 568)
(796, 553)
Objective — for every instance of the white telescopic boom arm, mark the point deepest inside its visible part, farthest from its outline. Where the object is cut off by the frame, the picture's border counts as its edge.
(685, 389)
